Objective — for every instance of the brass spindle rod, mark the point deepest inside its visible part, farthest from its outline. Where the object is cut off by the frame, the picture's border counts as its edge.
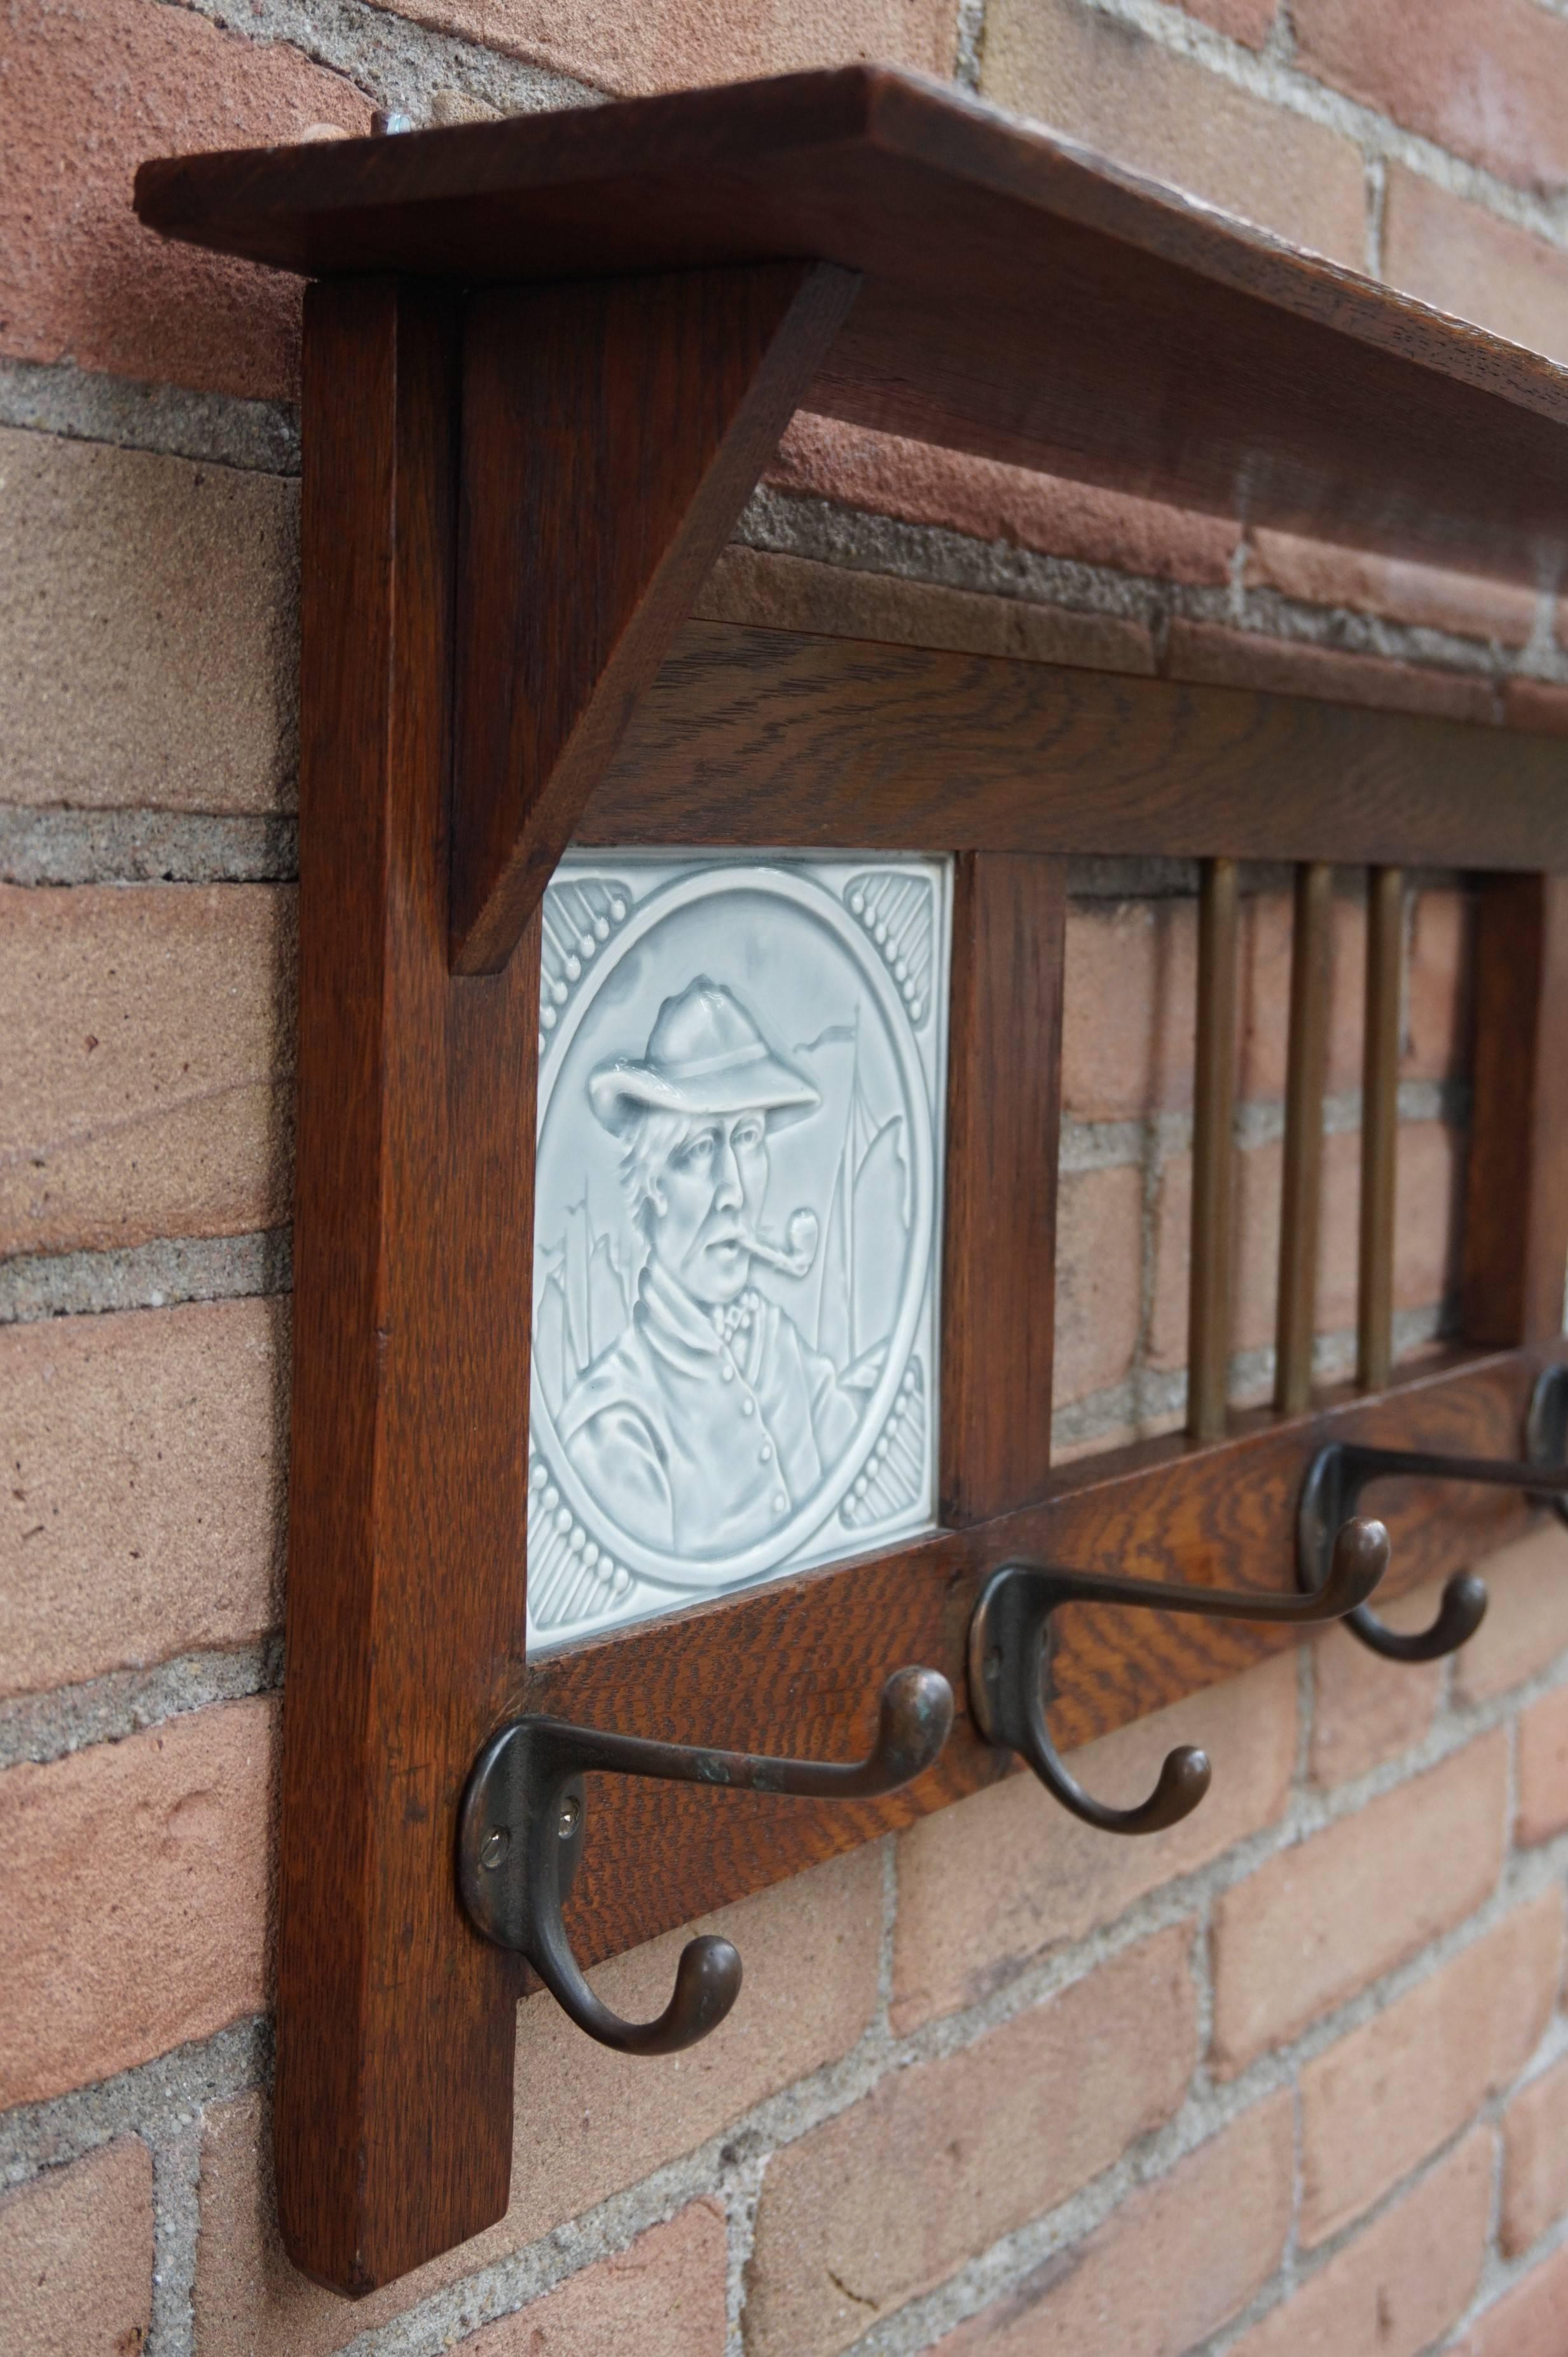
(1214, 1111)
(1380, 1123)
(1301, 1191)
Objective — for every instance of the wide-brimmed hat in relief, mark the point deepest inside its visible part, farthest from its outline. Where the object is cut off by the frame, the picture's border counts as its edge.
(705, 1058)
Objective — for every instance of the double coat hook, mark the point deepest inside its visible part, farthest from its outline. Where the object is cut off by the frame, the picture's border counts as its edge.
(1012, 1635)
(1338, 1474)
(521, 1834)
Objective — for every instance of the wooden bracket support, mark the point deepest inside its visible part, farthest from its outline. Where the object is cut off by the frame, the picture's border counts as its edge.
(613, 430)
(509, 503)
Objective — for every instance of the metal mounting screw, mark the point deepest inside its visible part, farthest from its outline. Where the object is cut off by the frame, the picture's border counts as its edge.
(494, 1848)
(567, 1823)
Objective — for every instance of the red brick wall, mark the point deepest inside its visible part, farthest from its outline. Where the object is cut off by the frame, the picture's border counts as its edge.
(1292, 2077)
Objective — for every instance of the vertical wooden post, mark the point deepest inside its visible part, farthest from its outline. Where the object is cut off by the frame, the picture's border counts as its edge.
(1213, 1121)
(1004, 1128)
(413, 1277)
(1302, 1187)
(1516, 1199)
(1380, 1128)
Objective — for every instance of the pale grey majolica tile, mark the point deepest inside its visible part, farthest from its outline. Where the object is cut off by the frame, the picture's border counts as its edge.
(737, 1218)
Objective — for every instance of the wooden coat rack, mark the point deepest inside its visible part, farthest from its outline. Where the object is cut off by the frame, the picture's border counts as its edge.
(546, 360)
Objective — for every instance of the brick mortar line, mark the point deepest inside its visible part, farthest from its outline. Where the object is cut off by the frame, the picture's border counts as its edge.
(781, 2118)
(37, 1728)
(1210, 2107)
(1279, 80)
(170, 1271)
(57, 846)
(177, 2226)
(856, 540)
(213, 429)
(397, 62)
(60, 400)
(167, 1273)
(1108, 1145)
(1153, 1396)
(50, 847)
(153, 2100)
(57, 1721)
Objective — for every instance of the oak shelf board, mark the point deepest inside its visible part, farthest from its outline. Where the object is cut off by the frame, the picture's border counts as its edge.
(1021, 297)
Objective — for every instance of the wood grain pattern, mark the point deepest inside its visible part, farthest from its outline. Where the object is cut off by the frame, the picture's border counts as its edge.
(1301, 1187)
(999, 1250)
(1213, 1153)
(612, 432)
(754, 735)
(1515, 1200)
(1380, 1128)
(816, 1649)
(1023, 299)
(412, 1258)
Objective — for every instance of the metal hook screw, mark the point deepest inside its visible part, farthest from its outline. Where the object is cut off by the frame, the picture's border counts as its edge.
(529, 1774)
(494, 1848)
(1012, 1634)
(1343, 1469)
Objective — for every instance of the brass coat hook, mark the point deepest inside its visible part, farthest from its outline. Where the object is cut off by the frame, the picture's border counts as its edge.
(521, 1834)
(1337, 1475)
(1011, 1637)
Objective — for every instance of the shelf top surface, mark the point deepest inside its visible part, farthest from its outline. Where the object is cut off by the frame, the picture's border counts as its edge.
(1020, 297)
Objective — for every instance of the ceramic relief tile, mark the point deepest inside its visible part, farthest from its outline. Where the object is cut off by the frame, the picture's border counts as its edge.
(737, 1219)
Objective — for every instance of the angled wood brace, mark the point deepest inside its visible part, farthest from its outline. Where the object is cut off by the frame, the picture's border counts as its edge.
(613, 430)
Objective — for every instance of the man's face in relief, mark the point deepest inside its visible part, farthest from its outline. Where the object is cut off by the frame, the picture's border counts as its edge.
(708, 1197)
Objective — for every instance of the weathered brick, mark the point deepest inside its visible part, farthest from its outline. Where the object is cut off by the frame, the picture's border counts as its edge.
(1134, 2286)
(625, 48)
(145, 1067)
(1324, 1919)
(1213, 655)
(1543, 1769)
(1383, 2098)
(1099, 80)
(1263, 971)
(1487, 79)
(1438, 978)
(1460, 259)
(987, 1885)
(107, 84)
(1535, 2160)
(1322, 572)
(812, 1948)
(1527, 1619)
(141, 1513)
(1361, 1715)
(76, 2258)
(663, 2296)
(1099, 1278)
(1130, 1004)
(795, 593)
(1528, 2321)
(1429, 1198)
(884, 2200)
(1128, 979)
(1396, 2289)
(136, 1881)
(179, 700)
(823, 457)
